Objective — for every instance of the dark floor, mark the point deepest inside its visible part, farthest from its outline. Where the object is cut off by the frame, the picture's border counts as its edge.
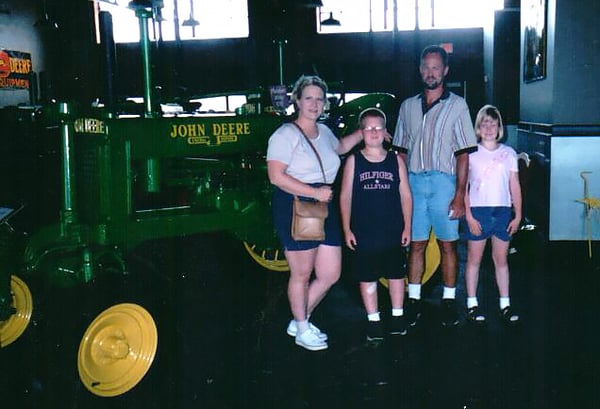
(222, 341)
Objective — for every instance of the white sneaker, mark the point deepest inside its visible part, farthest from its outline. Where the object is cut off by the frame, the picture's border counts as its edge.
(292, 330)
(311, 341)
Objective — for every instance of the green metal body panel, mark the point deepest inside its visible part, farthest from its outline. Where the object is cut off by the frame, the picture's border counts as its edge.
(135, 179)
(97, 184)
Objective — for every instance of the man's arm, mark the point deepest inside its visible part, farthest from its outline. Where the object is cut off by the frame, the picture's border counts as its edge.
(457, 206)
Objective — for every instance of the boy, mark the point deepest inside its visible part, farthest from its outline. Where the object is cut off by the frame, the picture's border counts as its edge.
(376, 211)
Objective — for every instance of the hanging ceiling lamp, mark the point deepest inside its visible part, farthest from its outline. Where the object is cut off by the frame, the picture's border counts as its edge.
(191, 21)
(330, 21)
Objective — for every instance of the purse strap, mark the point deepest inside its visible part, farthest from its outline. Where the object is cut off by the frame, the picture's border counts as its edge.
(314, 150)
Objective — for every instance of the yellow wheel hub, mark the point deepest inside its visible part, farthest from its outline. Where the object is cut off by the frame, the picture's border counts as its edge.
(270, 259)
(117, 350)
(432, 260)
(12, 328)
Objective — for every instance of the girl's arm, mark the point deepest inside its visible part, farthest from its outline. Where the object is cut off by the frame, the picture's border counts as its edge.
(405, 201)
(346, 202)
(515, 194)
(473, 223)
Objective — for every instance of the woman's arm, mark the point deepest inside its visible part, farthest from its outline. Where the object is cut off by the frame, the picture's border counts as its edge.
(278, 177)
(349, 141)
(346, 201)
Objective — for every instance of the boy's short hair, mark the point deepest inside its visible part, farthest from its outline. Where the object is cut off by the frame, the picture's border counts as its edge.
(492, 112)
(373, 113)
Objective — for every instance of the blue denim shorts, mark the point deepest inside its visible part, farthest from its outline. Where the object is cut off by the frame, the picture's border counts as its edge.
(494, 222)
(432, 193)
(282, 203)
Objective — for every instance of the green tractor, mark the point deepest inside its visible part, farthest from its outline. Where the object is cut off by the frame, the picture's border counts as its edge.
(126, 176)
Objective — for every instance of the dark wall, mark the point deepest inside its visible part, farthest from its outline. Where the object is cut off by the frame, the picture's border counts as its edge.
(568, 94)
(363, 62)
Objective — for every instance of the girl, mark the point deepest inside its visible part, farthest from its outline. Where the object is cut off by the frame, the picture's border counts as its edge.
(493, 210)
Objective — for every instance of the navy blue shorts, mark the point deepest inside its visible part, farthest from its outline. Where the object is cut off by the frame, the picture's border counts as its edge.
(494, 222)
(282, 203)
(371, 265)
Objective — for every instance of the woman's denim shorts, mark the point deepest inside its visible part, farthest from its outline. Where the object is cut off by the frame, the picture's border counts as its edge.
(282, 203)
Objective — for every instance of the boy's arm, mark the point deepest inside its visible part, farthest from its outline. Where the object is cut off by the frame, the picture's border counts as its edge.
(346, 201)
(405, 201)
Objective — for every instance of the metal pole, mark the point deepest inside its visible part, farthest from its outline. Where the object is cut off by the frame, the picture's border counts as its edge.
(280, 44)
(68, 214)
(143, 15)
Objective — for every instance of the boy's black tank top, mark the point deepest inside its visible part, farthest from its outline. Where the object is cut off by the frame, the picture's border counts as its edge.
(376, 221)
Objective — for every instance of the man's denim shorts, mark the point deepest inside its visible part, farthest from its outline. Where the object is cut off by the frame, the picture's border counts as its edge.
(432, 192)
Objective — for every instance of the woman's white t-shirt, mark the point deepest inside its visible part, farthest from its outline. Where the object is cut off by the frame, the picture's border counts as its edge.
(288, 145)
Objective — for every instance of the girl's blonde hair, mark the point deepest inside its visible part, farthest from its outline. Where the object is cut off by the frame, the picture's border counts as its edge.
(492, 112)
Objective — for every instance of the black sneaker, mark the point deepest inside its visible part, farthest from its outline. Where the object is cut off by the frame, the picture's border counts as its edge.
(413, 311)
(397, 325)
(509, 316)
(449, 313)
(374, 331)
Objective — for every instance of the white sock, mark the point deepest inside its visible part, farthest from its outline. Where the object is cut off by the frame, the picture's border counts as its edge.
(397, 312)
(302, 326)
(414, 291)
(504, 302)
(472, 302)
(373, 317)
(449, 293)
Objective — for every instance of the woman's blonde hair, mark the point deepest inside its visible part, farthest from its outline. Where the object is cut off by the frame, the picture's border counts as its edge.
(303, 82)
(492, 112)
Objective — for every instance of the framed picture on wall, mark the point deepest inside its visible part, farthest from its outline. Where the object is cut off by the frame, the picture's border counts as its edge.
(534, 58)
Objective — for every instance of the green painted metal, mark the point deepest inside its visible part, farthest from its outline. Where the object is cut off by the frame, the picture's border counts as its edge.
(208, 174)
(124, 180)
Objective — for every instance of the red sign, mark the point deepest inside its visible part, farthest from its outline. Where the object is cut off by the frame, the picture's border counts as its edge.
(15, 69)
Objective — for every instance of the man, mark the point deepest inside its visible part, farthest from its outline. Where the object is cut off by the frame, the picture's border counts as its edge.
(435, 135)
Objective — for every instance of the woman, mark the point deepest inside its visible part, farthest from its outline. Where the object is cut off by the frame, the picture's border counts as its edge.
(294, 169)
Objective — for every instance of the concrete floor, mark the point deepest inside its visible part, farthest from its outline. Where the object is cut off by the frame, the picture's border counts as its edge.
(222, 343)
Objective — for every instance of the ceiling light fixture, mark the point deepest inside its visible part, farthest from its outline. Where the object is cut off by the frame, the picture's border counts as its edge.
(330, 21)
(191, 22)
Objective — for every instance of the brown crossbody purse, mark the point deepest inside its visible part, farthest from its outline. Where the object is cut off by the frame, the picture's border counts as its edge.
(308, 216)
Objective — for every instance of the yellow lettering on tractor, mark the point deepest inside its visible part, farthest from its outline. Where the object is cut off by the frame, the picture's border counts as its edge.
(89, 125)
(221, 132)
(189, 130)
